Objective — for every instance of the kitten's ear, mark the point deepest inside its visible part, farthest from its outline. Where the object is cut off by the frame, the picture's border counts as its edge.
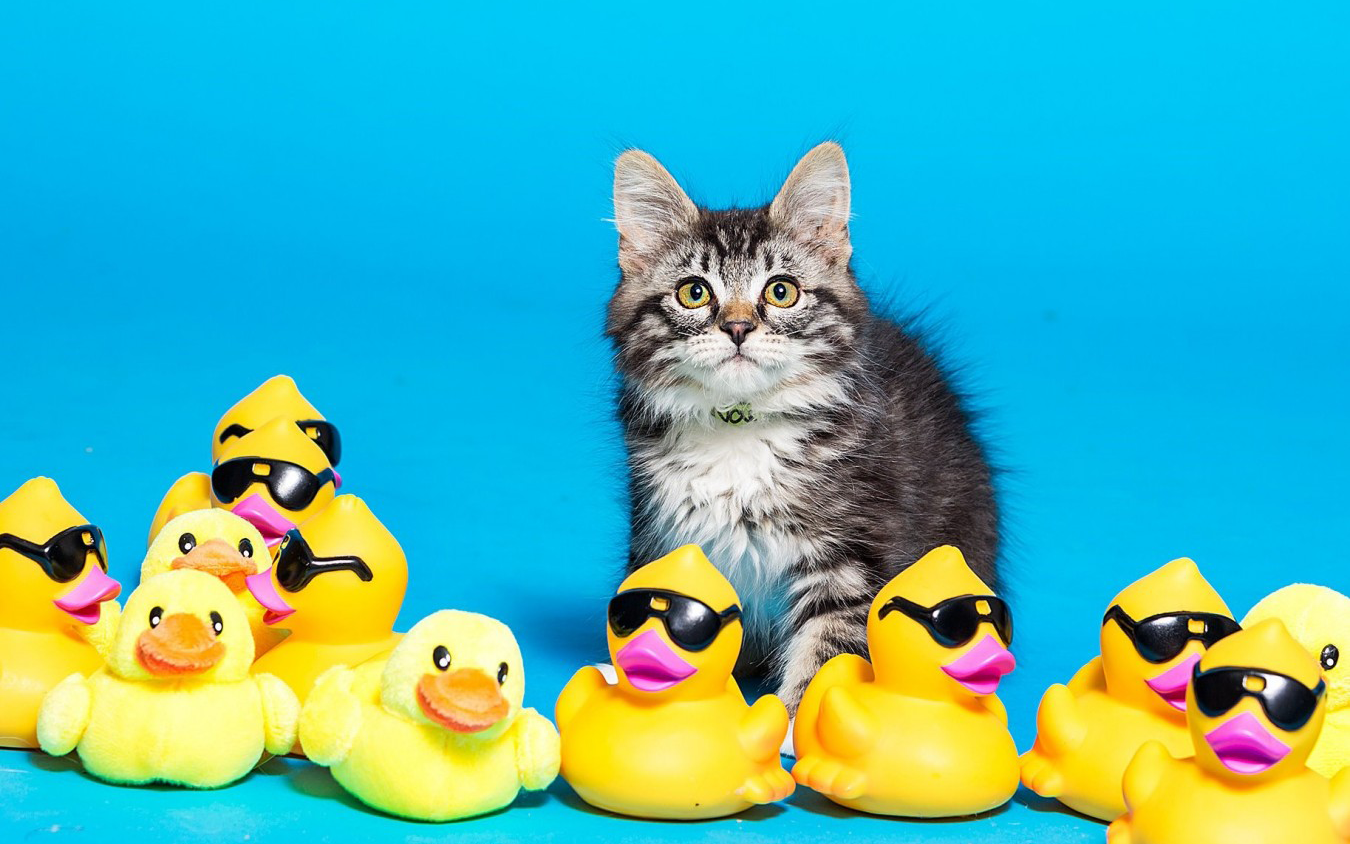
(813, 204)
(649, 206)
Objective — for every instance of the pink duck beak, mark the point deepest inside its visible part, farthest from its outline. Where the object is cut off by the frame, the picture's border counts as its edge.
(982, 667)
(261, 588)
(1244, 746)
(650, 665)
(1171, 684)
(263, 516)
(82, 601)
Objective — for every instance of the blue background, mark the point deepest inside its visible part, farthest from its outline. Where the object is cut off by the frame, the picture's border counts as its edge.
(1127, 224)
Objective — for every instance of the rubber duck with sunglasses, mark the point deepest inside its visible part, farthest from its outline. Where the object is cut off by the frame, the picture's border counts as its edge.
(918, 731)
(276, 398)
(673, 738)
(1152, 636)
(1256, 704)
(337, 584)
(54, 567)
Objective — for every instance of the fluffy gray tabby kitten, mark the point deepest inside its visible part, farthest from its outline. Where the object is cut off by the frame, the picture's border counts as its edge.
(811, 447)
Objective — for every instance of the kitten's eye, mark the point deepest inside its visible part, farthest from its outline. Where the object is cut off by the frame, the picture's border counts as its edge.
(1330, 656)
(186, 543)
(693, 293)
(246, 547)
(782, 292)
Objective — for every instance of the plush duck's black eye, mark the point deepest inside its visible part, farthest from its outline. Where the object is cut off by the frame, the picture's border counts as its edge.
(1330, 656)
(156, 615)
(501, 673)
(186, 543)
(246, 547)
(441, 657)
(217, 623)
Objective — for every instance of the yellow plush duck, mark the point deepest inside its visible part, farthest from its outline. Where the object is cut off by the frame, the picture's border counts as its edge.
(1152, 635)
(175, 702)
(918, 732)
(1254, 710)
(54, 595)
(337, 584)
(277, 397)
(1319, 619)
(222, 544)
(435, 732)
(674, 737)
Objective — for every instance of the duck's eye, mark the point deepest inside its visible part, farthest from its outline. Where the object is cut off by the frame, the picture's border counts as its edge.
(246, 547)
(501, 673)
(441, 657)
(693, 293)
(217, 623)
(186, 543)
(1330, 656)
(782, 292)
(156, 615)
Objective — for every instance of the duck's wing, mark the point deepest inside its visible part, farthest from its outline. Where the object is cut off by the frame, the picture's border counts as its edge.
(281, 713)
(578, 690)
(64, 715)
(1060, 727)
(1144, 773)
(331, 717)
(763, 728)
(845, 669)
(538, 750)
(846, 728)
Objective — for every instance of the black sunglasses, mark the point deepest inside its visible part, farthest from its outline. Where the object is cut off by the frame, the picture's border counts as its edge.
(292, 485)
(1287, 702)
(954, 622)
(63, 556)
(1160, 638)
(296, 564)
(324, 434)
(691, 624)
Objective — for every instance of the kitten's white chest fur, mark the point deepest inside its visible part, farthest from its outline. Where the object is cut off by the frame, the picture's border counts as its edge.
(725, 487)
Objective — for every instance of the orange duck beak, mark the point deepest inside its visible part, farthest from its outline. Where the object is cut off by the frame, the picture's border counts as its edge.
(465, 700)
(217, 557)
(180, 645)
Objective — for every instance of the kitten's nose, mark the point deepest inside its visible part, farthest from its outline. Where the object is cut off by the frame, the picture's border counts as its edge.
(738, 328)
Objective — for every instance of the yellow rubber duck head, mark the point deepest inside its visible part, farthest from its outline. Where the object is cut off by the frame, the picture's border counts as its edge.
(936, 630)
(214, 541)
(674, 628)
(182, 625)
(276, 477)
(1154, 632)
(339, 577)
(277, 397)
(460, 671)
(1256, 705)
(1319, 619)
(53, 563)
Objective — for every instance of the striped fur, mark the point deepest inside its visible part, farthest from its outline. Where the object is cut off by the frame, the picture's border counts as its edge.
(860, 457)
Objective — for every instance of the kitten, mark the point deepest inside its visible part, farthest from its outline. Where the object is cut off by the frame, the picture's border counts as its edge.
(811, 447)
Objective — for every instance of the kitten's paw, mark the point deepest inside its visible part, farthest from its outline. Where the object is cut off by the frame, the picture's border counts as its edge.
(829, 776)
(769, 787)
(789, 747)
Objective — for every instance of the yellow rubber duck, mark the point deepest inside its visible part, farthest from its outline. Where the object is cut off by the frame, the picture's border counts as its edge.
(1254, 710)
(175, 702)
(436, 731)
(1319, 619)
(56, 591)
(1152, 635)
(275, 398)
(674, 737)
(918, 731)
(222, 544)
(337, 584)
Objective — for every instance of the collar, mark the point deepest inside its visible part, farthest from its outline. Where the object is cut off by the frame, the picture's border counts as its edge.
(737, 414)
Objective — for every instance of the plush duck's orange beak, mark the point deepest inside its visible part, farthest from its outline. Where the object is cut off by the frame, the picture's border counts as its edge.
(181, 645)
(219, 558)
(465, 700)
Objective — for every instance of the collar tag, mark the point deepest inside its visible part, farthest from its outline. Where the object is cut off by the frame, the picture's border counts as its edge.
(737, 414)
